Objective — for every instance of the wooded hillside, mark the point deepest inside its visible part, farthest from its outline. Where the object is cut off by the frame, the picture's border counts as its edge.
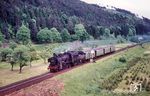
(60, 14)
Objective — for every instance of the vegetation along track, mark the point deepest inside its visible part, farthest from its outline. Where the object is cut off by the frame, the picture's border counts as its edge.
(28, 82)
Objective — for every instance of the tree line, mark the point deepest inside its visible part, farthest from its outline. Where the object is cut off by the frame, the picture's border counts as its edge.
(51, 35)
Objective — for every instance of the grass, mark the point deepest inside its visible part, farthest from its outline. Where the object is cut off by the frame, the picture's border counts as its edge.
(40, 47)
(4, 65)
(86, 80)
(8, 77)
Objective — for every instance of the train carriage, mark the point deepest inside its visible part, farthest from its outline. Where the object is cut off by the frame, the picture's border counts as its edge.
(99, 52)
(87, 54)
(107, 49)
(90, 54)
(112, 48)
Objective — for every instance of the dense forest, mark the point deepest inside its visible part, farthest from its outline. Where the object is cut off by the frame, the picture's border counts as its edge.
(54, 20)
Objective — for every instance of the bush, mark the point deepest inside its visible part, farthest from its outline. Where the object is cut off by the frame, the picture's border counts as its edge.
(1, 36)
(122, 59)
(127, 82)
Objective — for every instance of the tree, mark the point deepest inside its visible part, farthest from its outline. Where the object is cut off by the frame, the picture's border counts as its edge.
(5, 31)
(5, 52)
(99, 31)
(131, 32)
(23, 34)
(12, 45)
(7, 55)
(65, 35)
(12, 34)
(44, 55)
(106, 33)
(70, 25)
(44, 36)
(34, 29)
(1, 36)
(81, 33)
(11, 60)
(1, 43)
(33, 54)
(85, 36)
(125, 29)
(74, 19)
(74, 37)
(120, 39)
(64, 19)
(56, 35)
(22, 56)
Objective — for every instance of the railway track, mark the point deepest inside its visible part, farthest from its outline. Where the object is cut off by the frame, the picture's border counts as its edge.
(34, 80)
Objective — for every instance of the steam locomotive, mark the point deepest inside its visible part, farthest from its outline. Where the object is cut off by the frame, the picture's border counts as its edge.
(72, 58)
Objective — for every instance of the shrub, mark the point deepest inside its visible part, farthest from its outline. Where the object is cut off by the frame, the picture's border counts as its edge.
(122, 59)
(126, 77)
(127, 82)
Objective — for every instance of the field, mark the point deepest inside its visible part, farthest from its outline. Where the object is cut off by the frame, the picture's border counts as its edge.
(101, 78)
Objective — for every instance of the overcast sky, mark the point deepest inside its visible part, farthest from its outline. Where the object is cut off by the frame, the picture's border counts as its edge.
(141, 7)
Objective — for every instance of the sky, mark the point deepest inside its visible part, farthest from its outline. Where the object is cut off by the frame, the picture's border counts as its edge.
(140, 7)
